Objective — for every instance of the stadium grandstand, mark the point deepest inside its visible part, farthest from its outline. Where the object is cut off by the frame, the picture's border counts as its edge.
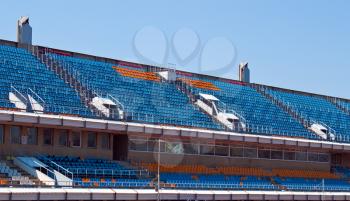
(81, 127)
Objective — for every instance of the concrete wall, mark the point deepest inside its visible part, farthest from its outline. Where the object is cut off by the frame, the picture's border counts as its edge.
(8, 149)
(214, 161)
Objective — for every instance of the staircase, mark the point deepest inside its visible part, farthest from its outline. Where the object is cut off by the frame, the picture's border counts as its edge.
(86, 95)
(182, 86)
(10, 164)
(339, 106)
(279, 186)
(295, 115)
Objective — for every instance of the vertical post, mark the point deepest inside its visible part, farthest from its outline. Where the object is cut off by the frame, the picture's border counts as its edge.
(158, 171)
(322, 197)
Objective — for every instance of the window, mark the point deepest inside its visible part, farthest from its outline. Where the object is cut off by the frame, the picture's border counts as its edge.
(48, 136)
(276, 154)
(191, 148)
(250, 153)
(63, 138)
(221, 151)
(174, 147)
(313, 156)
(264, 154)
(105, 137)
(91, 140)
(15, 132)
(75, 139)
(207, 150)
(236, 151)
(1, 134)
(32, 134)
(138, 145)
(150, 145)
(323, 157)
(289, 155)
(162, 146)
(301, 156)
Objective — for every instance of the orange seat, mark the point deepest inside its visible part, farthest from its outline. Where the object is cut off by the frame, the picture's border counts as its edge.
(151, 76)
(200, 84)
(85, 180)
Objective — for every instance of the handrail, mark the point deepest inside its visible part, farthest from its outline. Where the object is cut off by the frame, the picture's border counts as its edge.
(330, 130)
(62, 168)
(29, 90)
(108, 171)
(47, 169)
(59, 167)
(36, 95)
(116, 100)
(24, 98)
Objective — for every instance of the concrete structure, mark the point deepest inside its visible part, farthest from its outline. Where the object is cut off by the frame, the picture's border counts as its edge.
(24, 31)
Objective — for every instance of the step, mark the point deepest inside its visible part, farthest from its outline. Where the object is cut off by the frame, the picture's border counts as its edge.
(11, 165)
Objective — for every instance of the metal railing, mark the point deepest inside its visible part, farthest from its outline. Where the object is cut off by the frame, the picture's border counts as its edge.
(109, 173)
(183, 185)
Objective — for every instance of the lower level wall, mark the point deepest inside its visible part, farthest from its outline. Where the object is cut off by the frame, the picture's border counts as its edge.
(10, 149)
(211, 161)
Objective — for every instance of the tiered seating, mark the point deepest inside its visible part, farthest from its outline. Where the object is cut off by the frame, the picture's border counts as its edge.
(216, 181)
(12, 176)
(137, 74)
(201, 177)
(261, 115)
(315, 108)
(344, 104)
(98, 172)
(302, 184)
(22, 70)
(200, 84)
(246, 171)
(304, 174)
(143, 100)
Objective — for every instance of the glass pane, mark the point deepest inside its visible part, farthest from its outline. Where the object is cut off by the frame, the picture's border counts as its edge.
(138, 145)
(236, 151)
(48, 136)
(150, 145)
(276, 154)
(250, 152)
(15, 135)
(174, 147)
(207, 150)
(91, 140)
(32, 135)
(289, 155)
(156, 145)
(1, 134)
(221, 151)
(323, 157)
(313, 156)
(75, 139)
(63, 137)
(191, 148)
(264, 154)
(105, 140)
(301, 156)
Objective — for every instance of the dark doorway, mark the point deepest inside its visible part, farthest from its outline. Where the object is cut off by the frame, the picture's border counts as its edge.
(120, 147)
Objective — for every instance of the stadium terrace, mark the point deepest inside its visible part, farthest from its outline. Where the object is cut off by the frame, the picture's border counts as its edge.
(82, 127)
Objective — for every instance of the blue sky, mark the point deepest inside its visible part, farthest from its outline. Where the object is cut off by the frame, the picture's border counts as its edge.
(301, 45)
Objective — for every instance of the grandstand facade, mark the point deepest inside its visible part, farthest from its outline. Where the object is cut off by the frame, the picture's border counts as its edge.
(102, 129)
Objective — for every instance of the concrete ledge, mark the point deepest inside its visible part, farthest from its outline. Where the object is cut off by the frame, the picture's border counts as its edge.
(150, 129)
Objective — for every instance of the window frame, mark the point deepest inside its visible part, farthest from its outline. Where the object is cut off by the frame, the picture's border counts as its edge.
(19, 135)
(88, 140)
(51, 136)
